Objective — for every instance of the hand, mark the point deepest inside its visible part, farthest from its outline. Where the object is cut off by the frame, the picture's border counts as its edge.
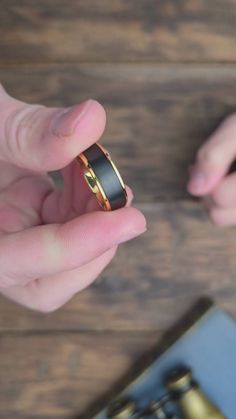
(209, 176)
(53, 243)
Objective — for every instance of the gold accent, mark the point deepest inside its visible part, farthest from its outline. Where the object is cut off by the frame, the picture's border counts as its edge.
(93, 182)
(124, 411)
(180, 380)
(156, 407)
(193, 403)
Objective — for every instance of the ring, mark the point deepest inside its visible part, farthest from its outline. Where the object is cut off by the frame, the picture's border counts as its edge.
(103, 178)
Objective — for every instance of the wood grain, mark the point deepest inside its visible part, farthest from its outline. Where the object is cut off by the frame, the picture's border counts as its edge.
(100, 30)
(60, 375)
(162, 102)
(158, 115)
(153, 279)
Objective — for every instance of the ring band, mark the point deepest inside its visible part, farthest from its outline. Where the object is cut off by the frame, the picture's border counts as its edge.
(103, 177)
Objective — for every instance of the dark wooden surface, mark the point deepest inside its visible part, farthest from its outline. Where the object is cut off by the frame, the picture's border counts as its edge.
(157, 115)
(45, 377)
(166, 74)
(152, 281)
(126, 30)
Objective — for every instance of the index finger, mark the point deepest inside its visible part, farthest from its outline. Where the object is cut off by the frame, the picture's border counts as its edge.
(50, 249)
(214, 159)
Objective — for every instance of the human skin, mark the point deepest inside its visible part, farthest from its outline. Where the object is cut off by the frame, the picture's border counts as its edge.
(210, 178)
(53, 243)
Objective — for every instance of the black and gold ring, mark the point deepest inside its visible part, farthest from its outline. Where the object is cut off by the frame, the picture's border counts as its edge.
(103, 177)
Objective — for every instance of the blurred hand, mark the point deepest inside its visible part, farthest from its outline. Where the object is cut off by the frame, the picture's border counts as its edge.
(53, 243)
(209, 176)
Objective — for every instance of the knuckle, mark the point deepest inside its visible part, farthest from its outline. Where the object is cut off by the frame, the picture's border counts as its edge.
(212, 151)
(2, 91)
(217, 217)
(7, 278)
(19, 125)
(210, 155)
(218, 197)
(51, 305)
(230, 120)
(7, 282)
(43, 307)
(44, 303)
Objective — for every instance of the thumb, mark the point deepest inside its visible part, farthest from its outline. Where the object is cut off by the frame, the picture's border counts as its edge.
(39, 138)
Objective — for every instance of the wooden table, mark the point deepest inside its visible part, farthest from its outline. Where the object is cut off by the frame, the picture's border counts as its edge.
(166, 74)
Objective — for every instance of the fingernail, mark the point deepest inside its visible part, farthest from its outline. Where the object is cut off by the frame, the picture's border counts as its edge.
(197, 180)
(129, 235)
(65, 121)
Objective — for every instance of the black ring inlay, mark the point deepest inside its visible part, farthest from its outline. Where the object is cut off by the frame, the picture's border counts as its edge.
(107, 176)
